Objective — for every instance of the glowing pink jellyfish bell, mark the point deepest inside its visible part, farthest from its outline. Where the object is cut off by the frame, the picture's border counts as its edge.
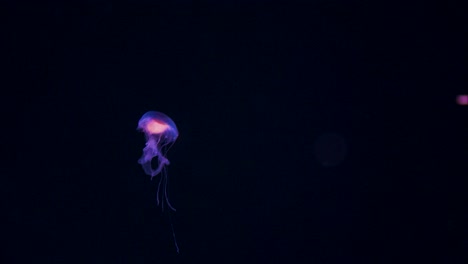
(161, 132)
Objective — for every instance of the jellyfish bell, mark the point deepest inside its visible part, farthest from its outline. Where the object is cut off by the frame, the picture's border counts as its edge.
(154, 123)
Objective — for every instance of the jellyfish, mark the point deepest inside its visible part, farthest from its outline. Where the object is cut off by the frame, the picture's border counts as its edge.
(160, 132)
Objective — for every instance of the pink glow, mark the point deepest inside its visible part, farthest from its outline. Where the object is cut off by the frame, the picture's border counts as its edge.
(156, 127)
(462, 99)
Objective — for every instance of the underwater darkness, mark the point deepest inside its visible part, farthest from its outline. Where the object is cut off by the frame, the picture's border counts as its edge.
(309, 131)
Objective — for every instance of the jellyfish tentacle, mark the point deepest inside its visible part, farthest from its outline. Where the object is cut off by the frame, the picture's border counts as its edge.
(165, 193)
(159, 188)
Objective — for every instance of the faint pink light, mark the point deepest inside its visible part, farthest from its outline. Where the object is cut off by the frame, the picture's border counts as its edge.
(462, 99)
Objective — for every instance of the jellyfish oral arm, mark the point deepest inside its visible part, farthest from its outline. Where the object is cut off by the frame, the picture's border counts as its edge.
(149, 152)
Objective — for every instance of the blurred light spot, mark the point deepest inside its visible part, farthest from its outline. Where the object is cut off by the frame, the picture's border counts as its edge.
(330, 149)
(462, 99)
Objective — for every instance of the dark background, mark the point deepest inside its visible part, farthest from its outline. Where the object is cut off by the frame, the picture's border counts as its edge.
(310, 132)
